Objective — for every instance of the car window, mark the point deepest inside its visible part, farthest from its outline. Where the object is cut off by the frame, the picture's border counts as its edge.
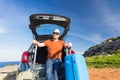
(47, 29)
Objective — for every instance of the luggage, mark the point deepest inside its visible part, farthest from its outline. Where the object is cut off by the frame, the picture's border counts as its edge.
(23, 67)
(75, 67)
(26, 75)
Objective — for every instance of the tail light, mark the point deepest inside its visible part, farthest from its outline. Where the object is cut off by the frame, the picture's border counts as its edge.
(25, 57)
(72, 52)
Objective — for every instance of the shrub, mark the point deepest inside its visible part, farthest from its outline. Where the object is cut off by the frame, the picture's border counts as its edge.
(113, 52)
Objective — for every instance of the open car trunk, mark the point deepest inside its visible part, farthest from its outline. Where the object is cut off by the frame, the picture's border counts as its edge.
(51, 21)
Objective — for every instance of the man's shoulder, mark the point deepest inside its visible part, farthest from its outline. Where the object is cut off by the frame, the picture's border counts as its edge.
(61, 41)
(49, 40)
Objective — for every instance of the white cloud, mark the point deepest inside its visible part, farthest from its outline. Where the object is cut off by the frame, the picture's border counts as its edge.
(11, 57)
(95, 38)
(2, 30)
(113, 21)
(12, 18)
(110, 18)
(12, 14)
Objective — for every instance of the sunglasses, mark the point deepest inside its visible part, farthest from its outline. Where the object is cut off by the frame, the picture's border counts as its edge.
(56, 33)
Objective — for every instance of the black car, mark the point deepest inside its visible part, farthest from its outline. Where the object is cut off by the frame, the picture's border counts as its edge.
(34, 59)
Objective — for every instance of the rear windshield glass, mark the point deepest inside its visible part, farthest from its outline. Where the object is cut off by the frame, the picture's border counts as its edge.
(47, 29)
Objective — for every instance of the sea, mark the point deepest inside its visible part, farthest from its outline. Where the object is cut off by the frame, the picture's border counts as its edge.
(3, 64)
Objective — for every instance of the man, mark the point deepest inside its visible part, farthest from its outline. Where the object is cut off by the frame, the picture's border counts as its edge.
(54, 47)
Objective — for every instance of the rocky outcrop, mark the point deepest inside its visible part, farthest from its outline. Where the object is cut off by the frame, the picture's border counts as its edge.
(104, 47)
(8, 72)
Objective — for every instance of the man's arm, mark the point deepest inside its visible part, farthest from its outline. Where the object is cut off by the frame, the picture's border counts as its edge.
(38, 44)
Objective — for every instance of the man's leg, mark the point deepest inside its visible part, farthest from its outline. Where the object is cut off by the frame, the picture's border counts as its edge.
(49, 69)
(57, 66)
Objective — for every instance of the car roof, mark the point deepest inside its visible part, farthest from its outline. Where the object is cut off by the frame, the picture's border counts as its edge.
(39, 19)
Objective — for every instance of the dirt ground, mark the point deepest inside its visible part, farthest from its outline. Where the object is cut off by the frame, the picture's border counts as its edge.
(104, 74)
(94, 74)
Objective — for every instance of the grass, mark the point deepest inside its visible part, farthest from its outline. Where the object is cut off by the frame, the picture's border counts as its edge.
(102, 61)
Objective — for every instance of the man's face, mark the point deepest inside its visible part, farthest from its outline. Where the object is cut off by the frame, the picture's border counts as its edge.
(55, 35)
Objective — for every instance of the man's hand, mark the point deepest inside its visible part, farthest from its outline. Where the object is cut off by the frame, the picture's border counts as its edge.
(38, 44)
(35, 42)
(69, 45)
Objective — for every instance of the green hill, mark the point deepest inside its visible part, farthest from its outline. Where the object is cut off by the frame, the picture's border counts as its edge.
(104, 54)
(103, 61)
(104, 47)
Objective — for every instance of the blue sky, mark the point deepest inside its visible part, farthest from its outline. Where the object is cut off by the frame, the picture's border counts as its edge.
(92, 21)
